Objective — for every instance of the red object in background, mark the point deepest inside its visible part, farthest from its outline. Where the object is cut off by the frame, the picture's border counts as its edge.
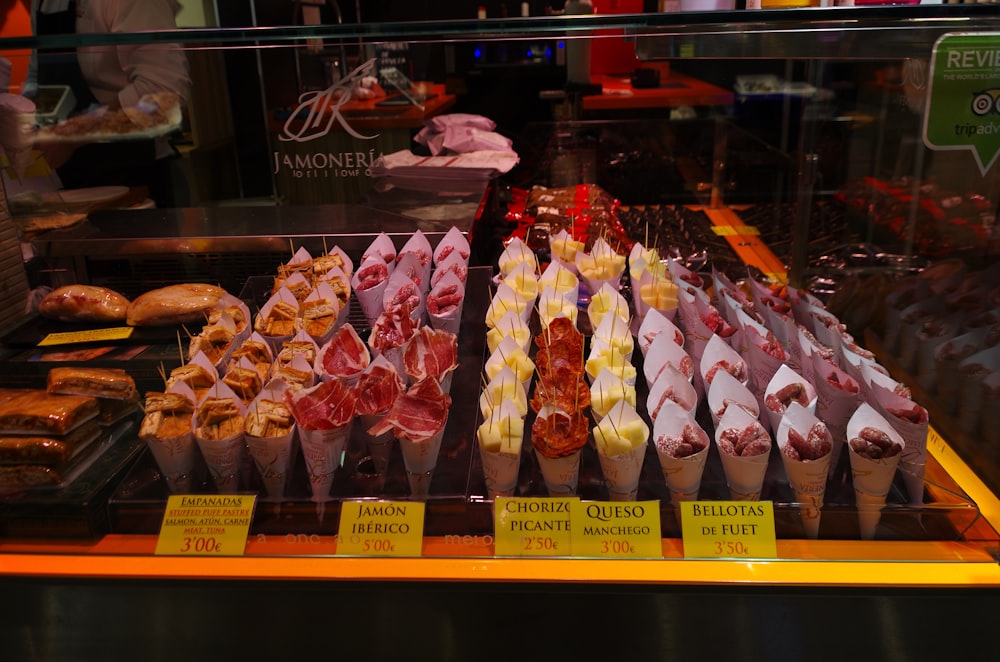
(610, 53)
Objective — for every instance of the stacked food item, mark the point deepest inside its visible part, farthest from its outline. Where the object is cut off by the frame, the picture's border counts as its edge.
(45, 435)
(759, 370)
(297, 375)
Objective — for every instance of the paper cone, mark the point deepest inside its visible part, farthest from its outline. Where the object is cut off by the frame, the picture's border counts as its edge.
(673, 386)
(381, 248)
(176, 458)
(370, 298)
(514, 254)
(322, 451)
(744, 475)
(652, 325)
(560, 473)
(683, 474)
(913, 459)
(726, 390)
(872, 478)
(808, 481)
(224, 458)
(450, 319)
(869, 513)
(621, 473)
(454, 242)
(834, 405)
(500, 472)
(562, 280)
(273, 458)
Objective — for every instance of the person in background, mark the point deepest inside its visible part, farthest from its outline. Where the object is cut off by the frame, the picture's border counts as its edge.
(116, 77)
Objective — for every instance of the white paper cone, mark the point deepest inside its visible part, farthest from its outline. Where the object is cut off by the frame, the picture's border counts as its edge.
(808, 481)
(560, 473)
(500, 472)
(834, 406)
(744, 475)
(621, 473)
(273, 458)
(176, 459)
(869, 513)
(322, 451)
(224, 458)
(683, 474)
(421, 456)
(379, 447)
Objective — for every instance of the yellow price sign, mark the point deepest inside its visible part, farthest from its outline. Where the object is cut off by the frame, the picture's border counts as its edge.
(728, 529)
(91, 335)
(381, 528)
(735, 231)
(532, 527)
(617, 529)
(206, 524)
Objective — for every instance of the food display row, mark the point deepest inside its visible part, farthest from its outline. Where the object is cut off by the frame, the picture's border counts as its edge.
(326, 382)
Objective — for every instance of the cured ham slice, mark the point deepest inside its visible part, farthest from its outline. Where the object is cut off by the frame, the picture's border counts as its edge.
(430, 353)
(381, 386)
(326, 406)
(346, 355)
(418, 414)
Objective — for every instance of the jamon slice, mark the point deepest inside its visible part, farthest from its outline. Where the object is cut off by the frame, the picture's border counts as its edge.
(418, 414)
(392, 329)
(326, 406)
(430, 353)
(346, 354)
(381, 386)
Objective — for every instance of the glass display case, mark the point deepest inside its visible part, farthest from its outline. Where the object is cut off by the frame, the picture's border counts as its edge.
(812, 159)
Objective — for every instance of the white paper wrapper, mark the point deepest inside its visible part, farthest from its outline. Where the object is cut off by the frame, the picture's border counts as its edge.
(511, 325)
(509, 354)
(800, 301)
(872, 478)
(500, 439)
(654, 324)
(420, 458)
(455, 265)
(503, 386)
(604, 356)
(663, 352)
(656, 292)
(607, 391)
(564, 249)
(682, 474)
(621, 429)
(203, 361)
(604, 303)
(381, 248)
(449, 320)
(370, 299)
(273, 458)
(671, 386)
(176, 458)
(725, 391)
(718, 351)
(524, 282)
(503, 302)
(622, 472)
(696, 332)
(326, 286)
(514, 254)
(275, 341)
(613, 330)
(322, 451)
(420, 248)
(224, 457)
(687, 279)
(730, 300)
(806, 478)
(834, 405)
(785, 377)
(560, 473)
(551, 305)
(562, 280)
(763, 360)
(406, 287)
(602, 265)
(454, 242)
(913, 459)
(744, 474)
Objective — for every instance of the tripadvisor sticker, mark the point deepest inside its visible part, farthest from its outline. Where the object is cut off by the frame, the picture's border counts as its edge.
(964, 96)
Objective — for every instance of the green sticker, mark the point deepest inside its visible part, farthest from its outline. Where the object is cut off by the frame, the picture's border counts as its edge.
(964, 96)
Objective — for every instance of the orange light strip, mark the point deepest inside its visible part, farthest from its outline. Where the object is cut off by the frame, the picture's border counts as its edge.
(747, 246)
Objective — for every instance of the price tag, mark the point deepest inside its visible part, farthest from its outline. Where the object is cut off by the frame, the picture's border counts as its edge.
(93, 335)
(735, 231)
(532, 527)
(206, 524)
(381, 528)
(617, 529)
(728, 529)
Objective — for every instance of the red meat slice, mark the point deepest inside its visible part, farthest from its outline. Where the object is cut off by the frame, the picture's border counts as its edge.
(418, 414)
(381, 386)
(326, 406)
(430, 353)
(346, 354)
(392, 329)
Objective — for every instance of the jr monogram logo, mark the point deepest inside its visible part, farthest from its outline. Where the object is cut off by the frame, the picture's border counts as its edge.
(322, 109)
